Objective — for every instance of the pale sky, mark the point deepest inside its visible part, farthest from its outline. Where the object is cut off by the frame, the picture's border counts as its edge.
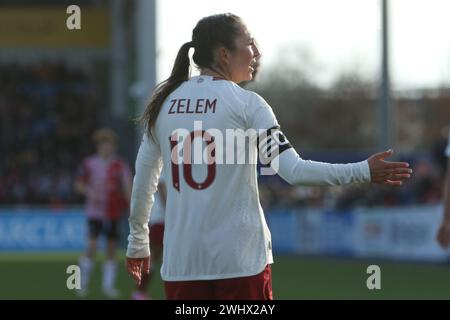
(339, 35)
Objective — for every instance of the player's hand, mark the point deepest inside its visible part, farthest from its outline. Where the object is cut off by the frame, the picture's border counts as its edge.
(388, 172)
(443, 235)
(137, 266)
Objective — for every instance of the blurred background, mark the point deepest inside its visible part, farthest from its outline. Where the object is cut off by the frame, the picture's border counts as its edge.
(345, 79)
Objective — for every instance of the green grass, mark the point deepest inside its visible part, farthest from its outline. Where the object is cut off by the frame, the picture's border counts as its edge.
(43, 276)
(320, 278)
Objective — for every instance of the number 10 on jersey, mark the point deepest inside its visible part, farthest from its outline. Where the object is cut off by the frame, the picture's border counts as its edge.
(188, 159)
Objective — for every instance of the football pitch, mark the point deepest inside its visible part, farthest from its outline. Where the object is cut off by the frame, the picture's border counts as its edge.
(43, 276)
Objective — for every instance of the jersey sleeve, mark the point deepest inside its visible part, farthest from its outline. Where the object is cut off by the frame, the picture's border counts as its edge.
(258, 113)
(148, 169)
(293, 169)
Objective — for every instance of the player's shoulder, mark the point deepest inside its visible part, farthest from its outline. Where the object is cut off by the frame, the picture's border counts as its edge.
(233, 86)
(254, 100)
(247, 97)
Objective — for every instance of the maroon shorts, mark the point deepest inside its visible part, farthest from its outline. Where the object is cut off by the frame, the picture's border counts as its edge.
(156, 234)
(257, 287)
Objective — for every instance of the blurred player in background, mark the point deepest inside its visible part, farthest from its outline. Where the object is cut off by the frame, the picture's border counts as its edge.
(105, 181)
(443, 235)
(216, 241)
(156, 229)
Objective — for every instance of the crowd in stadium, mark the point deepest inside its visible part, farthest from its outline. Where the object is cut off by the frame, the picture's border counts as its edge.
(48, 113)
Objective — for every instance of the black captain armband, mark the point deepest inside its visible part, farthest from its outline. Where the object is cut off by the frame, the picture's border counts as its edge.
(271, 143)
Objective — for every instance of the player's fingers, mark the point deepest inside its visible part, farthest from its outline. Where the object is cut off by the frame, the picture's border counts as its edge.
(391, 172)
(131, 264)
(137, 276)
(400, 176)
(394, 164)
(146, 266)
(385, 172)
(131, 268)
(134, 274)
(393, 182)
(401, 170)
(383, 176)
(383, 154)
(134, 268)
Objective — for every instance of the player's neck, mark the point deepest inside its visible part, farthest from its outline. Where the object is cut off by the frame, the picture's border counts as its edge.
(214, 73)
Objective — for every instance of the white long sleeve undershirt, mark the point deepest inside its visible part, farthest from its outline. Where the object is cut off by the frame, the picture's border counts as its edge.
(145, 183)
(296, 171)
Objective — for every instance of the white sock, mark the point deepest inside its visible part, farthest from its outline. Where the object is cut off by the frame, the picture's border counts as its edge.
(85, 269)
(109, 274)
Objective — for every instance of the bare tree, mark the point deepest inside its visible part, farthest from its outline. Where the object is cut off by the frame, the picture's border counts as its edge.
(313, 117)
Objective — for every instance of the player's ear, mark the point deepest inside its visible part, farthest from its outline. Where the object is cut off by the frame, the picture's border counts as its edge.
(223, 55)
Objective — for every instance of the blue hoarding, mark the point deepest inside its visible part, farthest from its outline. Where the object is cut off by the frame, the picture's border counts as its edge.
(42, 230)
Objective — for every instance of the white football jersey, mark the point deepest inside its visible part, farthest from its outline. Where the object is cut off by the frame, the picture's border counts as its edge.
(159, 206)
(214, 224)
(157, 211)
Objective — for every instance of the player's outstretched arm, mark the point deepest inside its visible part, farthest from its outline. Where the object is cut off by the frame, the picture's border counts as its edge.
(275, 150)
(292, 168)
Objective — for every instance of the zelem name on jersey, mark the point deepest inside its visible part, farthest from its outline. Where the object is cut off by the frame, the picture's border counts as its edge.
(195, 106)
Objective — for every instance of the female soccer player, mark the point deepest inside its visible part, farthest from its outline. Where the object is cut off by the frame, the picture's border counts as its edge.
(216, 243)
